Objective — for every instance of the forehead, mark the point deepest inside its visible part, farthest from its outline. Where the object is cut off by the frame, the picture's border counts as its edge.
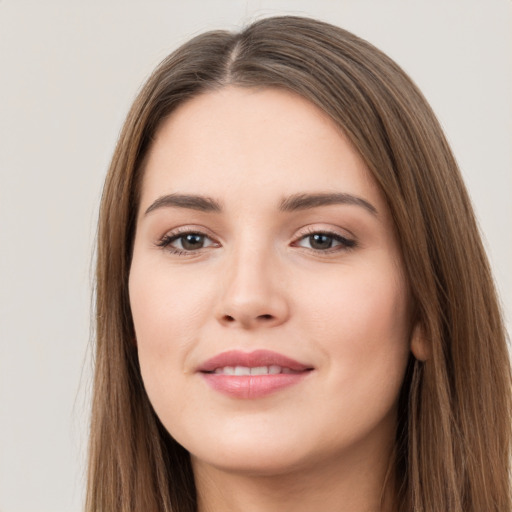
(242, 143)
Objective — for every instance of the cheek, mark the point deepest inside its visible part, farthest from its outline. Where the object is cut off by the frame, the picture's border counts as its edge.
(361, 323)
(168, 310)
(359, 303)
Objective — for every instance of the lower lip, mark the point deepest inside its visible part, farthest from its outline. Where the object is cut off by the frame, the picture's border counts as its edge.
(252, 386)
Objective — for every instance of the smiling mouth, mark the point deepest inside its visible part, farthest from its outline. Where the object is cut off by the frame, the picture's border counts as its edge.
(256, 370)
(265, 361)
(252, 375)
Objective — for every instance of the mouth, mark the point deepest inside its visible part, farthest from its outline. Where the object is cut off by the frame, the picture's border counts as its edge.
(256, 370)
(250, 375)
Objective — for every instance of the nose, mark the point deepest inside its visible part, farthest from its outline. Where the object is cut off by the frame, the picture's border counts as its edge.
(253, 294)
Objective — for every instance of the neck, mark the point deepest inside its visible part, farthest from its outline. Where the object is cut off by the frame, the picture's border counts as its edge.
(353, 486)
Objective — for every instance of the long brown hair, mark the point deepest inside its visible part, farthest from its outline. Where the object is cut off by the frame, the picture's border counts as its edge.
(453, 442)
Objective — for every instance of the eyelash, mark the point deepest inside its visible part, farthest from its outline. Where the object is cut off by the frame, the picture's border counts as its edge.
(345, 244)
(167, 240)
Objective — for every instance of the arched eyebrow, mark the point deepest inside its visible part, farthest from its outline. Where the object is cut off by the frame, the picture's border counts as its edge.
(295, 202)
(192, 202)
(306, 201)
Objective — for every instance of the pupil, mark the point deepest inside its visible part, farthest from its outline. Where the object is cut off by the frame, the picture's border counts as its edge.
(192, 241)
(319, 241)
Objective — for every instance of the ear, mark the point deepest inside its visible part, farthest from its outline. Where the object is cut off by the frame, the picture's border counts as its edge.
(420, 346)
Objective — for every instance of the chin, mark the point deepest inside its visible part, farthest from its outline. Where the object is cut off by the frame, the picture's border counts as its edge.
(260, 455)
(253, 462)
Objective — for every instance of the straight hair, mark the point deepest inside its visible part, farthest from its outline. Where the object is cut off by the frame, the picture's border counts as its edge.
(453, 438)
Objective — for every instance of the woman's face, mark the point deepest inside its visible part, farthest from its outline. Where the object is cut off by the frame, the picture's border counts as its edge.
(271, 310)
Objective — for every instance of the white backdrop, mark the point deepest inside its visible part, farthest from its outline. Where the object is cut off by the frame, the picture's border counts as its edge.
(68, 73)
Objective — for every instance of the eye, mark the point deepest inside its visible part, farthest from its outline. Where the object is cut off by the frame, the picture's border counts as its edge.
(325, 241)
(186, 242)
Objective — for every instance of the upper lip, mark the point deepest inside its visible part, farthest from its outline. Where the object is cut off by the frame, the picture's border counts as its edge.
(251, 360)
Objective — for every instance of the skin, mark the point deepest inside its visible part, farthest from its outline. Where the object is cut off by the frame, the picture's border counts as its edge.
(259, 282)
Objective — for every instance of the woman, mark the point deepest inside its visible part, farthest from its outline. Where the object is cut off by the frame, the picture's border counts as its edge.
(294, 308)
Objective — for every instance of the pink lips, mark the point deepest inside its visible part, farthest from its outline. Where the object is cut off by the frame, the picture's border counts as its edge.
(252, 386)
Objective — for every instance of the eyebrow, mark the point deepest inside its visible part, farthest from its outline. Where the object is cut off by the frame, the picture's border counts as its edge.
(308, 201)
(192, 202)
(295, 202)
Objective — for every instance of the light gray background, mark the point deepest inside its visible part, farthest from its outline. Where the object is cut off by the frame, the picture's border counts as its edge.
(68, 73)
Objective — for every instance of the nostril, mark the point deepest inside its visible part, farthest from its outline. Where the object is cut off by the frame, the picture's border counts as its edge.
(248, 320)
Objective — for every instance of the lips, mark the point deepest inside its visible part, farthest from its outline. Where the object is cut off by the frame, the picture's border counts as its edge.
(252, 374)
(255, 359)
